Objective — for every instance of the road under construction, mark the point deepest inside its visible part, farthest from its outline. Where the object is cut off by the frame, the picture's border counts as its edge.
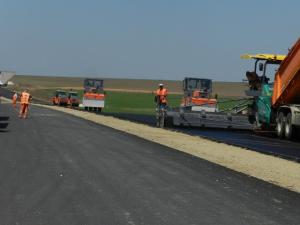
(60, 169)
(264, 142)
(96, 173)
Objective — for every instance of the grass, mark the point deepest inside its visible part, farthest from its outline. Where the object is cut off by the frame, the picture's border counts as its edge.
(143, 103)
(134, 103)
(119, 102)
(137, 103)
(119, 99)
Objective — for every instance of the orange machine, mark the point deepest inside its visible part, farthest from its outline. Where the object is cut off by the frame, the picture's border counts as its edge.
(197, 95)
(60, 98)
(287, 79)
(199, 99)
(93, 97)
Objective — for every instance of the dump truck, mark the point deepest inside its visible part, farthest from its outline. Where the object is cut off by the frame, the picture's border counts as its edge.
(93, 96)
(276, 106)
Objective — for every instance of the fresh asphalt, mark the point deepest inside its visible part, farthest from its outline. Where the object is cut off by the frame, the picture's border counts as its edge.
(59, 169)
(261, 142)
(266, 143)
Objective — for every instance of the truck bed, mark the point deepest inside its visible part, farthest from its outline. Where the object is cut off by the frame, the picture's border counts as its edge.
(287, 79)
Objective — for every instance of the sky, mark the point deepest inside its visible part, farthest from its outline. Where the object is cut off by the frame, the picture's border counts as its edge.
(143, 39)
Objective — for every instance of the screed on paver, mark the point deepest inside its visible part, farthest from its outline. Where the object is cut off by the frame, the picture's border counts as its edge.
(275, 170)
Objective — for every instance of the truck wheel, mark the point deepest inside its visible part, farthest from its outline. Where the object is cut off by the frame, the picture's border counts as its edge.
(289, 129)
(280, 125)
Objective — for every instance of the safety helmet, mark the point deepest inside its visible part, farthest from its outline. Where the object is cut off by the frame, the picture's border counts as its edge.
(161, 84)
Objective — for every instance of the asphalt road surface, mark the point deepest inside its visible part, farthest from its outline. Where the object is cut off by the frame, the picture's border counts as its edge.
(260, 142)
(58, 169)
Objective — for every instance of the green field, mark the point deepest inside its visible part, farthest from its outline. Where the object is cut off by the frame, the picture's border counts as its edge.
(124, 95)
(128, 102)
(138, 103)
(143, 103)
(119, 102)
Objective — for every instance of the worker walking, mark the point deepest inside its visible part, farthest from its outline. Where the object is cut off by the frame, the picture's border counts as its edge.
(14, 100)
(25, 99)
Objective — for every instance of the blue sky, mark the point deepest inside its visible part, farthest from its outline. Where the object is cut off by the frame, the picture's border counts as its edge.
(154, 39)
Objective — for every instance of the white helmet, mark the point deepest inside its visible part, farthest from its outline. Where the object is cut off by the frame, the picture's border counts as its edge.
(161, 84)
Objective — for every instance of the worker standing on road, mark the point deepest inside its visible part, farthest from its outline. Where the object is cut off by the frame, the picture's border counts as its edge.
(25, 99)
(161, 105)
(14, 100)
(161, 96)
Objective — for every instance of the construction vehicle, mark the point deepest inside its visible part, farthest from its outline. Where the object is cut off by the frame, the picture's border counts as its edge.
(60, 98)
(197, 95)
(276, 106)
(5, 76)
(93, 96)
(73, 99)
(198, 109)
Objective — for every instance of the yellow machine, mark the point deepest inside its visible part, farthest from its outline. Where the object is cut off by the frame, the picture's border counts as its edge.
(269, 57)
(276, 105)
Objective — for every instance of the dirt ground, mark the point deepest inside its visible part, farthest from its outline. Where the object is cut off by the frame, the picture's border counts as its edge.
(275, 170)
(223, 89)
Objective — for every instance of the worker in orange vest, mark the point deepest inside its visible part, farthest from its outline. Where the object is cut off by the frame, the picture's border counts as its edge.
(14, 99)
(25, 99)
(161, 96)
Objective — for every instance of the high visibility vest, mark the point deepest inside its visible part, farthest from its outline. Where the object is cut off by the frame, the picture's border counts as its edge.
(162, 95)
(25, 98)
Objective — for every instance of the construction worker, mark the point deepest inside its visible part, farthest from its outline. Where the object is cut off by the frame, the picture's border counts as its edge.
(14, 99)
(25, 99)
(161, 96)
(161, 105)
